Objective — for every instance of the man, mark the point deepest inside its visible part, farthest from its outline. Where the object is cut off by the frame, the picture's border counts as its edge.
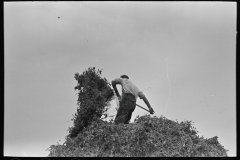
(130, 93)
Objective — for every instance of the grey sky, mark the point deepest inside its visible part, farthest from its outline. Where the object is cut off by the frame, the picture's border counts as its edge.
(43, 52)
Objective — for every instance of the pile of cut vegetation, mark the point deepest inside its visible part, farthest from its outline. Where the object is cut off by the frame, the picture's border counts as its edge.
(146, 137)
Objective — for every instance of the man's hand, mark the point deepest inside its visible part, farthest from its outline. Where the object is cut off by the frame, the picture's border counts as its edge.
(151, 111)
(119, 98)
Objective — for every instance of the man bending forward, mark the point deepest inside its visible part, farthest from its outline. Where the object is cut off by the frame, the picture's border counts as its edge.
(130, 93)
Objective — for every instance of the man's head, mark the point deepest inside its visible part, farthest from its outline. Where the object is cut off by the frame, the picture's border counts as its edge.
(124, 76)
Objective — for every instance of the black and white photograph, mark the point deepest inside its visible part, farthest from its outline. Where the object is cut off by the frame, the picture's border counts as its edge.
(120, 78)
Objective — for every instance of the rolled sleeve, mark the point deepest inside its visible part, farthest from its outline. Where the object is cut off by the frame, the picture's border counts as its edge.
(141, 95)
(118, 81)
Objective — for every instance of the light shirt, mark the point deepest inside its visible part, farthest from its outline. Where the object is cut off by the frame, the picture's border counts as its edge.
(129, 87)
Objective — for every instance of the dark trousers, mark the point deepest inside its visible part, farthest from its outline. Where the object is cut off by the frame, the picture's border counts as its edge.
(127, 106)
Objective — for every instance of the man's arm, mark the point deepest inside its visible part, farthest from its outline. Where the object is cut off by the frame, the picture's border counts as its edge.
(115, 88)
(144, 98)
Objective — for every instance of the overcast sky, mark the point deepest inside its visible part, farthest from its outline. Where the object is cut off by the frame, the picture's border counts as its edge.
(182, 55)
